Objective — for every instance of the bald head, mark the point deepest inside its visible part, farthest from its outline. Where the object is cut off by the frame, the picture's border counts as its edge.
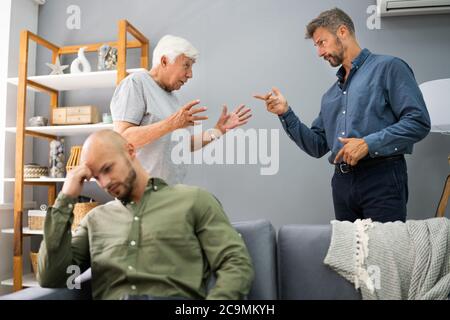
(101, 141)
(112, 161)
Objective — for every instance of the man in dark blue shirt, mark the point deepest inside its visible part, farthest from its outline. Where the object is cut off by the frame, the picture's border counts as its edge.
(369, 119)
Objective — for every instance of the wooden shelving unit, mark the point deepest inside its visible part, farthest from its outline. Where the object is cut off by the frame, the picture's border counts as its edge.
(52, 85)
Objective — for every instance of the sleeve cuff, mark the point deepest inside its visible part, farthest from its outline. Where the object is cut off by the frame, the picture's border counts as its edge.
(64, 201)
(373, 143)
(285, 115)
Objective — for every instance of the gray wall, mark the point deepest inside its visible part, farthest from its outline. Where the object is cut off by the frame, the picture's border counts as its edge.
(248, 46)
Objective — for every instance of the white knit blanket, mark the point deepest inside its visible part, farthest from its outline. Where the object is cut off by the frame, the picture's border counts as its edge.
(393, 260)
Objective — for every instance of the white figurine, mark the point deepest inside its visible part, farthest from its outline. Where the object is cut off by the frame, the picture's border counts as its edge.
(75, 66)
(57, 68)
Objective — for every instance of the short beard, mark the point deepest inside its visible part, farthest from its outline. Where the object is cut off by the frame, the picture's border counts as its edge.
(338, 57)
(128, 185)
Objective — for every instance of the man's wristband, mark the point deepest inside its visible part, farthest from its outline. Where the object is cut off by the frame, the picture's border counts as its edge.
(212, 134)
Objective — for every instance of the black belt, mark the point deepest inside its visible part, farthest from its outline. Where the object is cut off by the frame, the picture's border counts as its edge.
(364, 164)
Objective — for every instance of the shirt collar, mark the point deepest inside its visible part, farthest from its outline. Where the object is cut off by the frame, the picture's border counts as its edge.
(153, 184)
(356, 63)
(156, 184)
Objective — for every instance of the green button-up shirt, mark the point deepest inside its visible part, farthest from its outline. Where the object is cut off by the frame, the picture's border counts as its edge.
(166, 245)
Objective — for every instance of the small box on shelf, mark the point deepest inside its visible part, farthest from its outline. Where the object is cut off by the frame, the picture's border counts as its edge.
(36, 219)
(76, 115)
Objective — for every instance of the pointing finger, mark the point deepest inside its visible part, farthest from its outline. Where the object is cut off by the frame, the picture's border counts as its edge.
(344, 140)
(339, 156)
(260, 97)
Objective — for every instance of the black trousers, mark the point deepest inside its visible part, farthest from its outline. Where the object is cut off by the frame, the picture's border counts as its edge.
(378, 190)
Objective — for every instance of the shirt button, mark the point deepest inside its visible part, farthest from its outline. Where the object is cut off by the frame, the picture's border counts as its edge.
(133, 243)
(132, 202)
(133, 287)
(130, 268)
(376, 153)
(343, 133)
(136, 218)
(155, 188)
(345, 92)
(343, 112)
(395, 149)
(70, 206)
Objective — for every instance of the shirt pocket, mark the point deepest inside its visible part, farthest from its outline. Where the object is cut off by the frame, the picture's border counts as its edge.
(367, 105)
(105, 243)
(170, 253)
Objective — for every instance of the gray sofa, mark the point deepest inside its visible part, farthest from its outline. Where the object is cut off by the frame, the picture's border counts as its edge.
(290, 268)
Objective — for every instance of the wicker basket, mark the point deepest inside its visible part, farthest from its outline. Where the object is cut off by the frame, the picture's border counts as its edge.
(80, 210)
(36, 219)
(74, 158)
(34, 171)
(34, 261)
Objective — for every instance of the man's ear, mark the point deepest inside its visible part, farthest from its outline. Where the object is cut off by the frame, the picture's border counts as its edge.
(342, 32)
(164, 61)
(131, 150)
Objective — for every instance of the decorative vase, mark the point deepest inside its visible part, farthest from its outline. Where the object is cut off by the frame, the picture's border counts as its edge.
(56, 159)
(81, 60)
(107, 58)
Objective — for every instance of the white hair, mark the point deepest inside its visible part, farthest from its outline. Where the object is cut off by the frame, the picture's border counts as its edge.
(171, 47)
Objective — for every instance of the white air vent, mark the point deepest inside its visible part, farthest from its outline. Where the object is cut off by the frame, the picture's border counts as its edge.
(411, 7)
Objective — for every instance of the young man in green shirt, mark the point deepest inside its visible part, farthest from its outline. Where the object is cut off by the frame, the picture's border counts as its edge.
(154, 239)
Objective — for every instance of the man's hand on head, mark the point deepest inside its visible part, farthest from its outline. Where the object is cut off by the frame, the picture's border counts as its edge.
(75, 180)
(354, 149)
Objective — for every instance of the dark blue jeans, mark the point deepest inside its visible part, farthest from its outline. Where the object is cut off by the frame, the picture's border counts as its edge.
(379, 192)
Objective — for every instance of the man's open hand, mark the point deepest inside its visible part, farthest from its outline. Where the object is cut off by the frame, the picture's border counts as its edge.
(237, 118)
(186, 116)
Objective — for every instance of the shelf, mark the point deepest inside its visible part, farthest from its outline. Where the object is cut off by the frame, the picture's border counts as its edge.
(76, 81)
(28, 280)
(45, 179)
(10, 206)
(66, 131)
(24, 231)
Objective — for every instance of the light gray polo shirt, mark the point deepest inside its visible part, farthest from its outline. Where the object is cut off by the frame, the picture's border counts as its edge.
(138, 99)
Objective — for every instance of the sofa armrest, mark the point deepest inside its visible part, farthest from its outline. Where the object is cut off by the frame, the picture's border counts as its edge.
(39, 293)
(259, 237)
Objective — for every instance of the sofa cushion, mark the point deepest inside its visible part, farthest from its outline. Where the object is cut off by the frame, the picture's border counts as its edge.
(302, 274)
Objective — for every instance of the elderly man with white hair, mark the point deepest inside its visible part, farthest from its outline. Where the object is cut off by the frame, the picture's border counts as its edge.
(145, 110)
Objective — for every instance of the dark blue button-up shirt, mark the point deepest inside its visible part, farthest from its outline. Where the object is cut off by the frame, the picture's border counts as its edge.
(380, 102)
